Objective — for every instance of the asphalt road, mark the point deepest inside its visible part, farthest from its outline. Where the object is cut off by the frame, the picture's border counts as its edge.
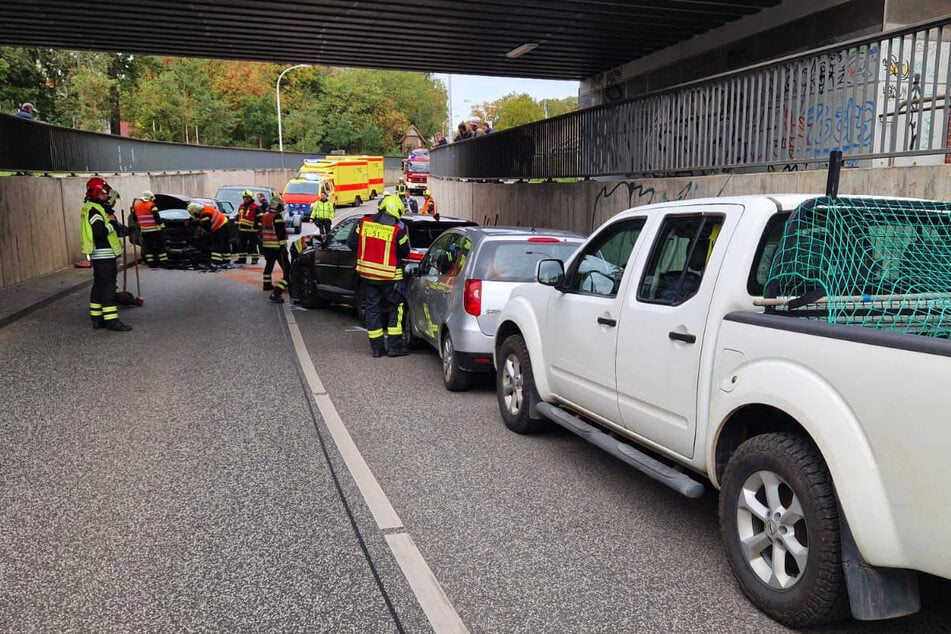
(180, 477)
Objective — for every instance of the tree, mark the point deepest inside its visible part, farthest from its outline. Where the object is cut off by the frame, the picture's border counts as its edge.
(518, 109)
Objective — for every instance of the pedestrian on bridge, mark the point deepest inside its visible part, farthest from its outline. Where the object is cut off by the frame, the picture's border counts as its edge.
(381, 242)
(249, 228)
(322, 213)
(274, 241)
(100, 233)
(150, 229)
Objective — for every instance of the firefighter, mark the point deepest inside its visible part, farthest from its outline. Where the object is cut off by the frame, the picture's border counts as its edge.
(274, 247)
(100, 234)
(214, 223)
(380, 242)
(429, 205)
(249, 228)
(321, 213)
(402, 190)
(150, 227)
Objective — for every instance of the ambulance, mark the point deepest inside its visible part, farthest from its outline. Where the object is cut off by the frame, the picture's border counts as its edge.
(350, 179)
(374, 170)
(300, 193)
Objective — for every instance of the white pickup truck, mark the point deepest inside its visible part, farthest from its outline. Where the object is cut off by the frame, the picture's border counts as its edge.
(818, 408)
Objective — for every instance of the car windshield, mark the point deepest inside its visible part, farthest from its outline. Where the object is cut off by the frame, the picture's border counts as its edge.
(515, 261)
(423, 234)
(233, 195)
(310, 187)
(419, 167)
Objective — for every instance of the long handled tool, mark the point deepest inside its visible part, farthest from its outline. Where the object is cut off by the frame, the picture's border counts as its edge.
(124, 297)
(138, 283)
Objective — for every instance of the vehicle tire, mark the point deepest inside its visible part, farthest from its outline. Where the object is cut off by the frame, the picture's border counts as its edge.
(515, 387)
(360, 304)
(305, 292)
(357, 201)
(411, 341)
(778, 499)
(453, 377)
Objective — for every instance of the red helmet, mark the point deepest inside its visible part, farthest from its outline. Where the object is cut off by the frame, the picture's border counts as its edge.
(95, 185)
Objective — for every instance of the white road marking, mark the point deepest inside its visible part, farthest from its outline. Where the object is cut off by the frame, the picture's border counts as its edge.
(430, 595)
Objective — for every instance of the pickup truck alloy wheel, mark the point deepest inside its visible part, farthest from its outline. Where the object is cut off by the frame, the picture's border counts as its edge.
(453, 376)
(780, 526)
(515, 386)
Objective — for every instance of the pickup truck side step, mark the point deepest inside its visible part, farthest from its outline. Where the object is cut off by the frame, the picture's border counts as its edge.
(676, 480)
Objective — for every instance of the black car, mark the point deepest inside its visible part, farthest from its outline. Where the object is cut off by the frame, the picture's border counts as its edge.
(184, 244)
(326, 274)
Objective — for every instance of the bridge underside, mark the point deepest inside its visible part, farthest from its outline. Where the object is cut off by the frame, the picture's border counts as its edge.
(575, 39)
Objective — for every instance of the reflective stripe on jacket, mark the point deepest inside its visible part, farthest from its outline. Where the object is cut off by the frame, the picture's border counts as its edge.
(145, 213)
(273, 232)
(91, 214)
(215, 219)
(322, 210)
(376, 251)
(249, 216)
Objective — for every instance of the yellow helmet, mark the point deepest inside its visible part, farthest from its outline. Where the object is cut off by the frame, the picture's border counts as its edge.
(427, 193)
(247, 193)
(194, 208)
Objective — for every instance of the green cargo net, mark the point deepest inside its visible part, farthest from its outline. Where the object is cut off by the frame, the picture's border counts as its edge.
(874, 263)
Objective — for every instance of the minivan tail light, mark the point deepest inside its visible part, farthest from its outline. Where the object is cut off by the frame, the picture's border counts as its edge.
(472, 298)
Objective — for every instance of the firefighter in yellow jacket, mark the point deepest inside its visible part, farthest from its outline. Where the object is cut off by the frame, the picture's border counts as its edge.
(322, 213)
(100, 234)
(274, 247)
(380, 242)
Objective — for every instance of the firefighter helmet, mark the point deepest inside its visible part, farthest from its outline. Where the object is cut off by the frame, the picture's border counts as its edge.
(248, 194)
(194, 208)
(147, 195)
(95, 185)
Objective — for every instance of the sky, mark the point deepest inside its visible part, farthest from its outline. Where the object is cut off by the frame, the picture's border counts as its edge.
(469, 90)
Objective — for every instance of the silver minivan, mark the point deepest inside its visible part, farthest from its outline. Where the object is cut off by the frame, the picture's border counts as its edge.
(455, 293)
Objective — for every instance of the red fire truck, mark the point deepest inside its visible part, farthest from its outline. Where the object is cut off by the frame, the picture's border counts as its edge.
(416, 171)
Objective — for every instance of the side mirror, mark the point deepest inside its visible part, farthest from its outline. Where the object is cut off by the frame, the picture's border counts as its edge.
(411, 269)
(550, 272)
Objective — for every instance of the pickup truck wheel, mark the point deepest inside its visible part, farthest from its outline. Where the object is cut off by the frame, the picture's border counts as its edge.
(455, 378)
(779, 522)
(515, 387)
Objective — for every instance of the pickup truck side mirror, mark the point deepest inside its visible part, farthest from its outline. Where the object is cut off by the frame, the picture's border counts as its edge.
(550, 272)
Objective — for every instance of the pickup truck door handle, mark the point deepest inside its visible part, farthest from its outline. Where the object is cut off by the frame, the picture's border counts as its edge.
(682, 336)
(607, 321)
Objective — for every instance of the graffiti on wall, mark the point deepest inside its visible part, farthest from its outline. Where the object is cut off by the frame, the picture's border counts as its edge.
(615, 197)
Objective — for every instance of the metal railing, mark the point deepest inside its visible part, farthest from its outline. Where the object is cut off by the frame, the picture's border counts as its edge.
(881, 100)
(31, 146)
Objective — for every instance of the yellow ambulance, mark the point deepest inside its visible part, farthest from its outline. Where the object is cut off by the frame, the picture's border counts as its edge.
(350, 179)
(374, 170)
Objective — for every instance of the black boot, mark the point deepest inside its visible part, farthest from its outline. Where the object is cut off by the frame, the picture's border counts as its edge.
(276, 298)
(97, 323)
(397, 349)
(117, 326)
(268, 286)
(378, 349)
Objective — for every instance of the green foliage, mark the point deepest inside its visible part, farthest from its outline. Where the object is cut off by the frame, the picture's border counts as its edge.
(229, 103)
(518, 109)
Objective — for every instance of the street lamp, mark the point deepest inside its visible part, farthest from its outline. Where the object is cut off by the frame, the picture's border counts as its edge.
(280, 132)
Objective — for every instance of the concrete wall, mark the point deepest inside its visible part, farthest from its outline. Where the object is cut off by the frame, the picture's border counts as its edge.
(583, 206)
(39, 215)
